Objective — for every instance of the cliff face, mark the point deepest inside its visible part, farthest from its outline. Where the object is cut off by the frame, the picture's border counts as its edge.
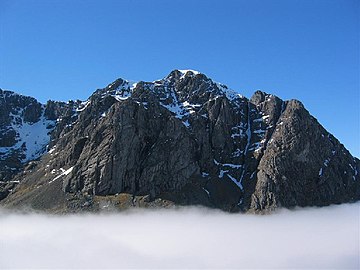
(181, 140)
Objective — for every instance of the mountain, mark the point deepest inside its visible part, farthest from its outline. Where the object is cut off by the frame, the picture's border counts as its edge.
(182, 140)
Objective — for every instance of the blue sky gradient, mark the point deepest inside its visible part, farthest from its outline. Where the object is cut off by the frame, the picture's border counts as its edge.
(307, 50)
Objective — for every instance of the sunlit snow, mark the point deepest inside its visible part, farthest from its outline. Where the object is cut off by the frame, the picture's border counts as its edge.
(31, 137)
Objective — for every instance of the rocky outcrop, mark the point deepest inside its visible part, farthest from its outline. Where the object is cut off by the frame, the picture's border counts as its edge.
(184, 140)
(304, 165)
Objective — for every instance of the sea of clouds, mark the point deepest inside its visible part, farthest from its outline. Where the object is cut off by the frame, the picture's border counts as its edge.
(187, 238)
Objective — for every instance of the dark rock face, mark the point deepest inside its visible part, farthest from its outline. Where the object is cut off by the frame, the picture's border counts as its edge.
(304, 165)
(182, 140)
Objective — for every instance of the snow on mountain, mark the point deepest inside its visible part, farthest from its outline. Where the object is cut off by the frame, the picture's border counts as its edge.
(31, 138)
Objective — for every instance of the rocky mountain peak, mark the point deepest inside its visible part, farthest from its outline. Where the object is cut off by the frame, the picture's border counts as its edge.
(258, 97)
(177, 75)
(184, 139)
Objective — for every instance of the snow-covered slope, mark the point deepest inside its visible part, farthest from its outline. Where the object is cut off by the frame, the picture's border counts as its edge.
(31, 138)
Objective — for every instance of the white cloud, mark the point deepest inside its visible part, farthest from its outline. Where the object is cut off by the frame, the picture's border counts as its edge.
(188, 238)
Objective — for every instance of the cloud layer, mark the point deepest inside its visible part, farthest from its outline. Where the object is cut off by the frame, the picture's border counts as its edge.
(188, 238)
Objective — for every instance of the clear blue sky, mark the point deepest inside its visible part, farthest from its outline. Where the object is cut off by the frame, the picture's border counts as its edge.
(308, 49)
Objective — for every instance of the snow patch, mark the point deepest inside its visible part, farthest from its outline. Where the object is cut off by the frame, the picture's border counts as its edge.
(63, 172)
(234, 166)
(222, 172)
(186, 71)
(237, 153)
(204, 174)
(32, 138)
(52, 150)
(229, 93)
(326, 162)
(261, 119)
(238, 131)
(122, 97)
(186, 123)
(259, 131)
(83, 105)
(207, 192)
(179, 109)
(355, 171)
(237, 182)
